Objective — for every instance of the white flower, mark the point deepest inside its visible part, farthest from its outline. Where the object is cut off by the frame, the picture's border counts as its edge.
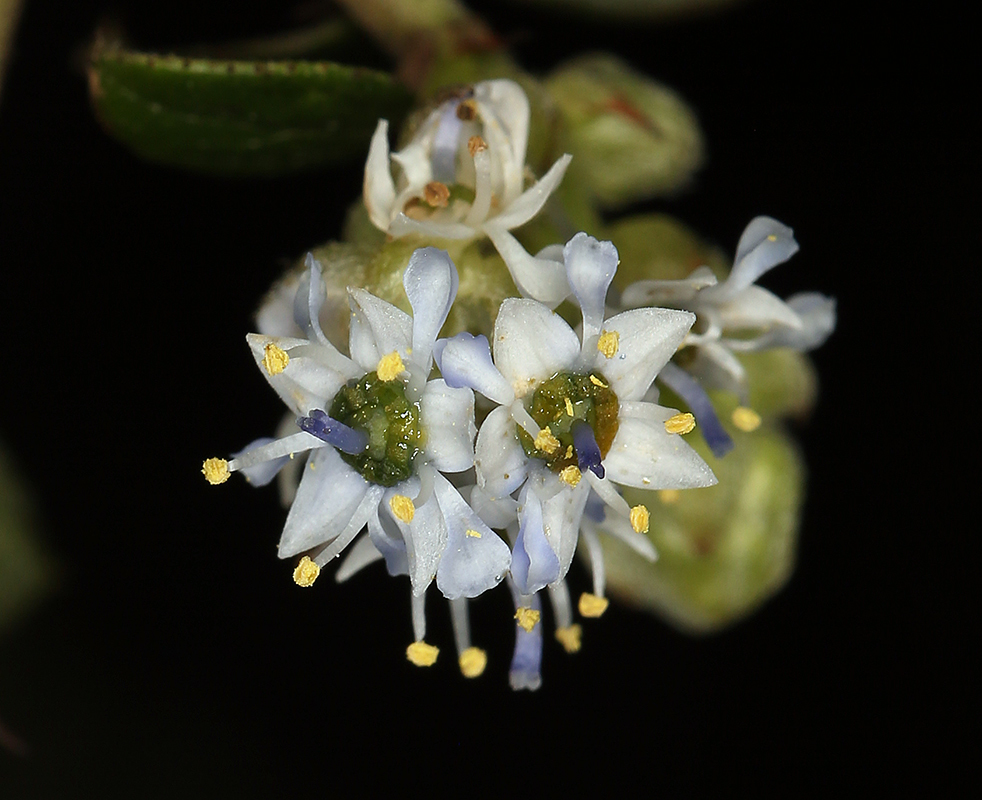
(737, 315)
(585, 426)
(379, 436)
(463, 176)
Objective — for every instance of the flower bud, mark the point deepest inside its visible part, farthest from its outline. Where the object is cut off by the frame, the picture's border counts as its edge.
(631, 138)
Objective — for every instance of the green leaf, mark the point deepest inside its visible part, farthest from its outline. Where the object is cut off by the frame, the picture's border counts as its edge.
(248, 118)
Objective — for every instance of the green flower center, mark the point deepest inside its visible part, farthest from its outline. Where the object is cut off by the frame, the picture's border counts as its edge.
(391, 421)
(560, 402)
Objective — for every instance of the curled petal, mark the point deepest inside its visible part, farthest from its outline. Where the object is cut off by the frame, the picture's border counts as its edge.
(379, 189)
(534, 563)
(431, 284)
(590, 267)
(531, 201)
(377, 329)
(765, 243)
(539, 277)
(465, 360)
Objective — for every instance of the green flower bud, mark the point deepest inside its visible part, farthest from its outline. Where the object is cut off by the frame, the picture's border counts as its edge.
(723, 550)
(631, 138)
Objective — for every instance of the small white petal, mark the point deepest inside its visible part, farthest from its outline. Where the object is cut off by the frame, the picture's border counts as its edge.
(678, 293)
(531, 344)
(590, 267)
(329, 494)
(538, 277)
(430, 281)
(562, 510)
(306, 382)
(425, 537)
(502, 465)
(448, 422)
(648, 338)
(645, 456)
(471, 564)
(379, 190)
(754, 308)
(765, 243)
(531, 201)
(377, 329)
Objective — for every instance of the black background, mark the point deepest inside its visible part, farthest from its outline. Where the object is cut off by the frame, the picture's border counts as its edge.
(179, 660)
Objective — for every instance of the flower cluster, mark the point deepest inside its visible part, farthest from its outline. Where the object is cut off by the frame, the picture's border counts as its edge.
(471, 463)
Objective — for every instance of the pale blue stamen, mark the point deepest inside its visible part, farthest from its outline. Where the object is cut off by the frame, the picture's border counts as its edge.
(686, 387)
(526, 662)
(587, 450)
(335, 433)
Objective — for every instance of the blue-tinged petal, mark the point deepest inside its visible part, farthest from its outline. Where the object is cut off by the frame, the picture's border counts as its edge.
(646, 339)
(816, 313)
(765, 243)
(534, 563)
(329, 494)
(377, 329)
(465, 360)
(531, 344)
(646, 456)
(590, 267)
(431, 284)
(475, 558)
(501, 463)
(562, 512)
(448, 422)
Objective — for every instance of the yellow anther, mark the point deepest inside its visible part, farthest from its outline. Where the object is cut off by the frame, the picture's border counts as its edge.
(436, 194)
(472, 662)
(569, 406)
(608, 343)
(546, 442)
(570, 637)
(527, 618)
(475, 145)
(669, 496)
(680, 423)
(639, 519)
(772, 238)
(215, 470)
(746, 419)
(402, 507)
(473, 534)
(467, 110)
(390, 367)
(422, 654)
(275, 359)
(569, 452)
(306, 572)
(597, 382)
(571, 475)
(592, 606)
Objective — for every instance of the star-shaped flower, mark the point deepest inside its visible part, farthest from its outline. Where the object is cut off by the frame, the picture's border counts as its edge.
(379, 436)
(463, 176)
(735, 316)
(570, 418)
